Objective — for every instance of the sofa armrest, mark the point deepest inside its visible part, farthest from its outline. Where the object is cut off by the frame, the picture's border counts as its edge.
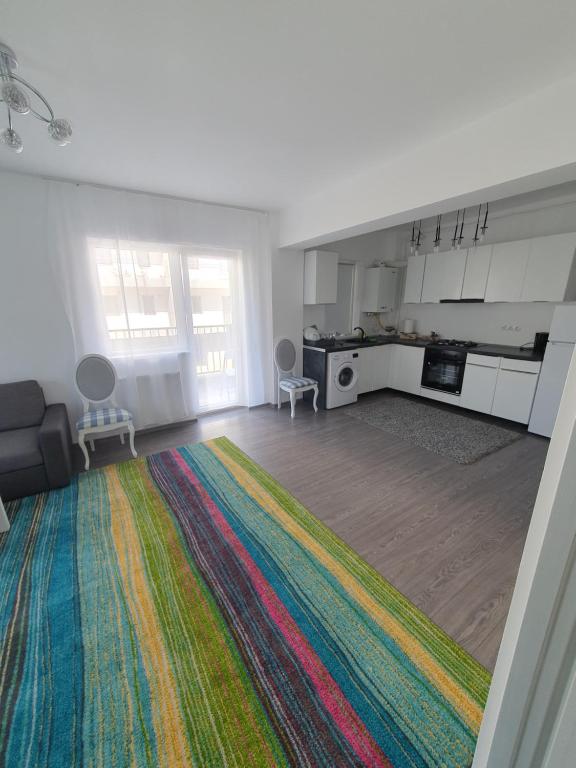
(56, 445)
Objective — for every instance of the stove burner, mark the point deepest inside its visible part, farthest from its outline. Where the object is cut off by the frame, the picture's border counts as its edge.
(455, 343)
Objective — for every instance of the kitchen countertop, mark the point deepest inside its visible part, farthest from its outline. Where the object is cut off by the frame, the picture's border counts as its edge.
(491, 350)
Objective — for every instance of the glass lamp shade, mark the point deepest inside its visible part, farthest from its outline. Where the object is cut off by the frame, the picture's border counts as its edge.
(12, 140)
(15, 98)
(60, 131)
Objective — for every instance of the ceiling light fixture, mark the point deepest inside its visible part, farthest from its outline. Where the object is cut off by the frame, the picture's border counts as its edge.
(418, 241)
(438, 239)
(476, 238)
(413, 238)
(461, 235)
(455, 235)
(15, 93)
(484, 227)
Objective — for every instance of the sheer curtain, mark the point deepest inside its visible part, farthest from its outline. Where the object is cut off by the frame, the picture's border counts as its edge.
(176, 293)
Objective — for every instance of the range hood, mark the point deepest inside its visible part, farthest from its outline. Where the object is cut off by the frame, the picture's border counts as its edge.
(461, 301)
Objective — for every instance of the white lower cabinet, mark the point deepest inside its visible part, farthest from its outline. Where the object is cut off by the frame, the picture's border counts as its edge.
(374, 365)
(407, 369)
(494, 385)
(515, 390)
(500, 386)
(479, 383)
(391, 365)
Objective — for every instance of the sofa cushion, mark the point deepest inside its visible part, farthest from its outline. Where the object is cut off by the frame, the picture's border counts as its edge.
(19, 449)
(21, 405)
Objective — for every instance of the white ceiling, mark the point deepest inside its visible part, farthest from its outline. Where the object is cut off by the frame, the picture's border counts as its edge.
(263, 102)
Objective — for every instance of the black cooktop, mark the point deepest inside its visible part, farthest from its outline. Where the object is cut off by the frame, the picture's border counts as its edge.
(455, 343)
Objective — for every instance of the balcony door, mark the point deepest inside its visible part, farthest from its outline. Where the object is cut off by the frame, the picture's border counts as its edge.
(212, 281)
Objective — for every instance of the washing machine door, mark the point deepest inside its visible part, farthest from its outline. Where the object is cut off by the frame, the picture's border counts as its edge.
(345, 377)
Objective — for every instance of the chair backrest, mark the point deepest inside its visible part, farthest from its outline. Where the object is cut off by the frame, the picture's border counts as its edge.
(95, 379)
(285, 356)
(21, 405)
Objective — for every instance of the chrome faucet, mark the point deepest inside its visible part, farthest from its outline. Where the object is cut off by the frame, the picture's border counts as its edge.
(362, 331)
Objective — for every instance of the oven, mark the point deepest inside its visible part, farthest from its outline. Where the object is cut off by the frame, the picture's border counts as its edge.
(444, 369)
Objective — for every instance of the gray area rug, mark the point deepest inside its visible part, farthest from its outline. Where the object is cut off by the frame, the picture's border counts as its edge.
(461, 437)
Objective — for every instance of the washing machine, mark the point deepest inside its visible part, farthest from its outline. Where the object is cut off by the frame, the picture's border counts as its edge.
(341, 378)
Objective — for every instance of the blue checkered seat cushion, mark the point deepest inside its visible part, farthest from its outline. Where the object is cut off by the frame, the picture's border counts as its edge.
(103, 416)
(295, 382)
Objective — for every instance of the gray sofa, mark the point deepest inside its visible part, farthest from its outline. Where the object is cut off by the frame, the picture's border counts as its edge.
(35, 441)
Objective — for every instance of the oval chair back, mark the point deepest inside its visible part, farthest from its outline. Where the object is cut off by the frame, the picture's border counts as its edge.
(96, 380)
(285, 361)
(284, 356)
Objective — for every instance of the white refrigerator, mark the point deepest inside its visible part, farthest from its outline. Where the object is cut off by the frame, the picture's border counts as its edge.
(554, 371)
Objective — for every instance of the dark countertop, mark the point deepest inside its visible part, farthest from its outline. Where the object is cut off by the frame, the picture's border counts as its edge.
(501, 350)
(491, 350)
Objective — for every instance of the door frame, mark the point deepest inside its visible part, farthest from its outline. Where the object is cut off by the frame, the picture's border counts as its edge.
(526, 717)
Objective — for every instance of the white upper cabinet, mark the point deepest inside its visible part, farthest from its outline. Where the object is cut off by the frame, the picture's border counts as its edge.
(550, 270)
(477, 270)
(414, 279)
(380, 284)
(443, 276)
(507, 271)
(537, 269)
(320, 277)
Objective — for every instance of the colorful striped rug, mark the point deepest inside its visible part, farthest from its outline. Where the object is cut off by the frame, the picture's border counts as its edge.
(185, 610)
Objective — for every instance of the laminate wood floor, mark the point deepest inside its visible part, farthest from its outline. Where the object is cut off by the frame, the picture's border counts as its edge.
(448, 536)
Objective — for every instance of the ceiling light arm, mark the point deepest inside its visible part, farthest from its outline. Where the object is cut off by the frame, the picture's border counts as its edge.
(37, 93)
(14, 91)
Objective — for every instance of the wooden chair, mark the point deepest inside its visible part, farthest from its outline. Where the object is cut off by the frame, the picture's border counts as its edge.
(285, 360)
(96, 382)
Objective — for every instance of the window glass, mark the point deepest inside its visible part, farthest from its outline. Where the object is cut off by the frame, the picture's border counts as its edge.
(136, 288)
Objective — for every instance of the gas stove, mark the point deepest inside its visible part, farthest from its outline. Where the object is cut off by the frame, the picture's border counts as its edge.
(455, 343)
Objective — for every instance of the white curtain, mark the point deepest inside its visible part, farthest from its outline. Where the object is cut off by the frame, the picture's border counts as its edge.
(177, 294)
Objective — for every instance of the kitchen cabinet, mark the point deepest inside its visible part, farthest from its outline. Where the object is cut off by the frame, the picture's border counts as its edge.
(380, 285)
(507, 271)
(374, 364)
(443, 276)
(478, 262)
(536, 269)
(550, 269)
(320, 277)
(406, 369)
(479, 385)
(414, 279)
(515, 389)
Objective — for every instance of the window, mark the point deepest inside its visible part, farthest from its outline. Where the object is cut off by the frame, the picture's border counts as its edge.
(196, 305)
(149, 305)
(212, 282)
(168, 297)
(136, 287)
(143, 258)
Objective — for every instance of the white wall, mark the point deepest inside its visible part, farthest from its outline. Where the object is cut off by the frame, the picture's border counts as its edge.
(481, 322)
(35, 336)
(526, 145)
